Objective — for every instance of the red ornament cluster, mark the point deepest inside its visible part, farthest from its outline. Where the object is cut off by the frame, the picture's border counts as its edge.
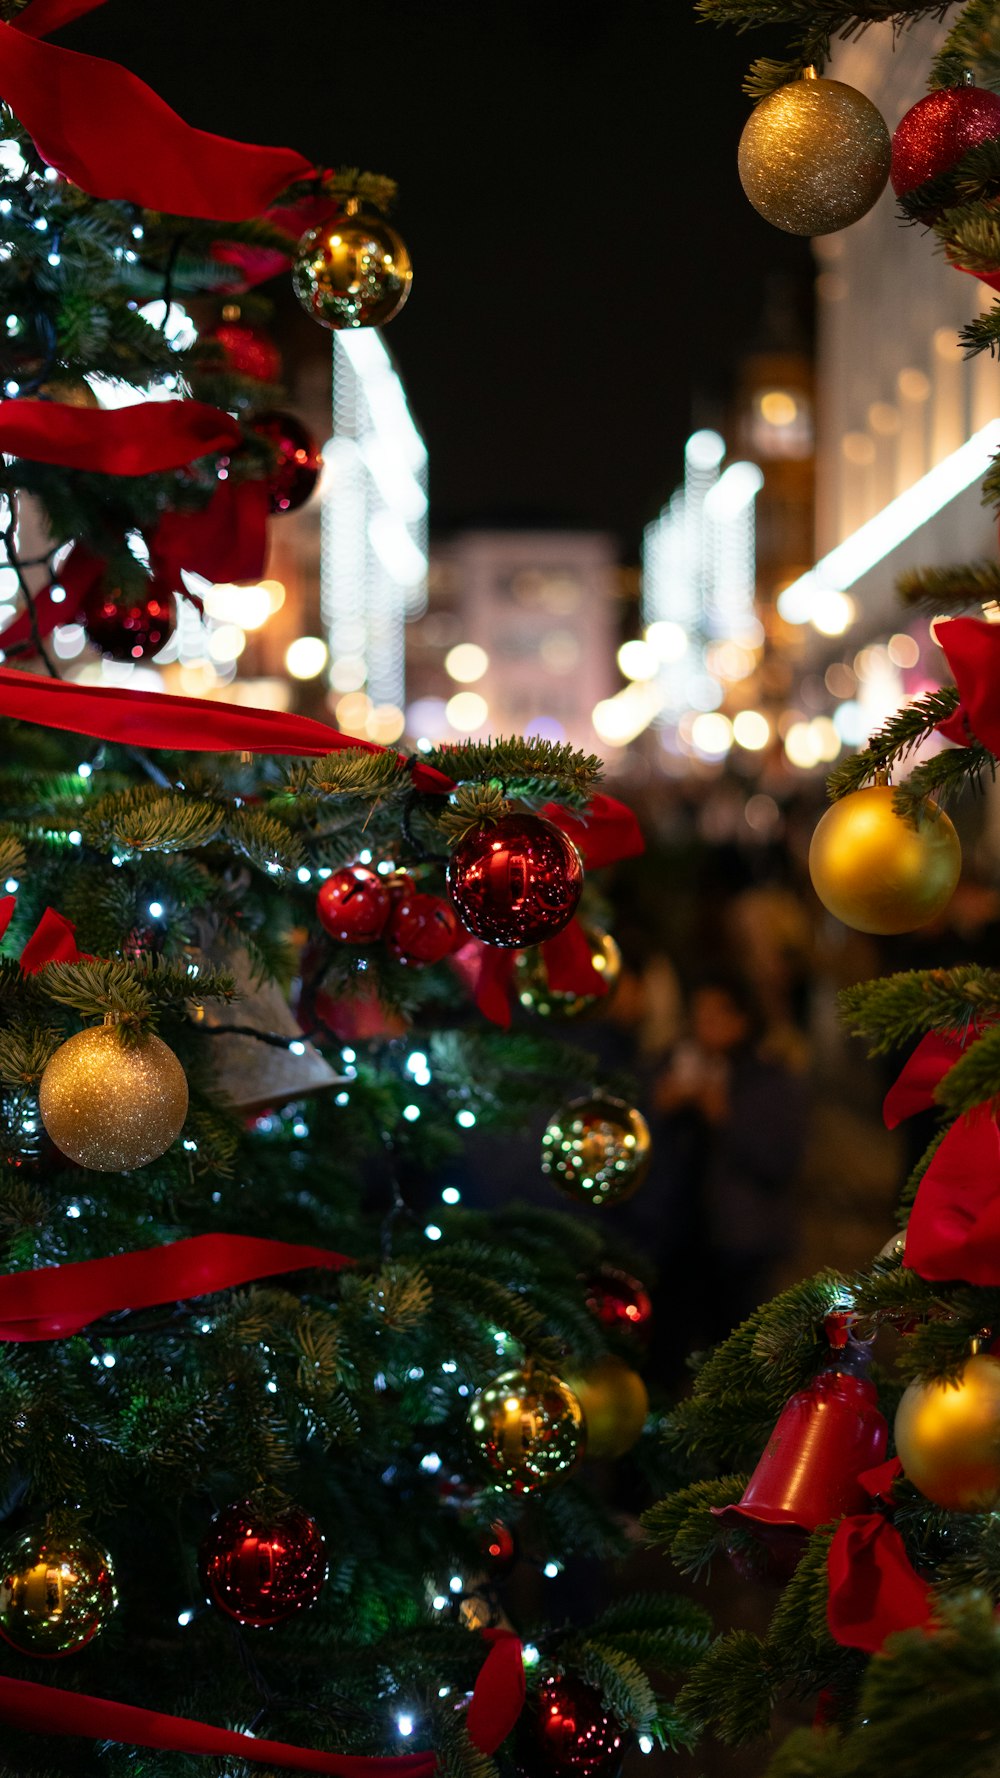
(516, 882)
(357, 906)
(261, 1569)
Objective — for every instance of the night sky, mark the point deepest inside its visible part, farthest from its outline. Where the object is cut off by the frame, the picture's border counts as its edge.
(587, 270)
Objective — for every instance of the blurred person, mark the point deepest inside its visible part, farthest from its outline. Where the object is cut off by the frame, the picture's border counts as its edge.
(732, 1119)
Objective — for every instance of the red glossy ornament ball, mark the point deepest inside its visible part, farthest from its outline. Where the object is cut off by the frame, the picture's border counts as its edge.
(516, 882)
(354, 905)
(423, 929)
(248, 351)
(296, 472)
(261, 1569)
(129, 624)
(938, 130)
(618, 1301)
(499, 1549)
(569, 1734)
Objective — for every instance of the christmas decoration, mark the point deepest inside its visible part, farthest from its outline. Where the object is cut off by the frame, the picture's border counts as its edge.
(57, 1592)
(69, 392)
(948, 1437)
(499, 1548)
(110, 1105)
(814, 156)
(938, 130)
(615, 1404)
(129, 623)
(826, 1435)
(567, 1733)
(534, 989)
(597, 1150)
(352, 272)
(298, 465)
(877, 872)
(528, 1428)
(618, 1301)
(422, 929)
(248, 351)
(262, 1567)
(354, 904)
(255, 1075)
(516, 881)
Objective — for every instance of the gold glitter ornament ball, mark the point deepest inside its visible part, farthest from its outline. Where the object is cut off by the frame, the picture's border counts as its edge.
(353, 272)
(814, 156)
(529, 1430)
(878, 873)
(112, 1106)
(56, 1593)
(948, 1437)
(536, 994)
(597, 1150)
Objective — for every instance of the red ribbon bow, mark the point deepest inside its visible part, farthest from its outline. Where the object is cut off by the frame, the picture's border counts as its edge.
(954, 1226)
(113, 136)
(496, 1704)
(972, 650)
(874, 1589)
(53, 940)
(144, 438)
(52, 1302)
(604, 833)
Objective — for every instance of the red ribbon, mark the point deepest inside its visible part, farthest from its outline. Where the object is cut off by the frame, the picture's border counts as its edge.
(874, 1589)
(53, 1302)
(254, 265)
(80, 572)
(223, 541)
(113, 136)
(53, 940)
(189, 725)
(144, 438)
(47, 1710)
(604, 833)
(972, 650)
(954, 1226)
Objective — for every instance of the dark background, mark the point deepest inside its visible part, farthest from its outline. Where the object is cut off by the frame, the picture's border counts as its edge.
(587, 270)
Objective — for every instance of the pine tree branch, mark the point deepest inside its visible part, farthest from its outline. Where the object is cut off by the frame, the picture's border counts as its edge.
(895, 1009)
(894, 741)
(950, 588)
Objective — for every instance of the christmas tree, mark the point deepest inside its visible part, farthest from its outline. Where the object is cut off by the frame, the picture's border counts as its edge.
(847, 1437)
(279, 1412)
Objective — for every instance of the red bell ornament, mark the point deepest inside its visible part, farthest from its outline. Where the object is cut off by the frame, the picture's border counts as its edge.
(296, 471)
(129, 623)
(826, 1436)
(569, 1734)
(261, 1568)
(353, 905)
(516, 881)
(422, 929)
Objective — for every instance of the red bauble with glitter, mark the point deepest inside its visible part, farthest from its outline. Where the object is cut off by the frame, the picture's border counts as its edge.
(248, 351)
(296, 472)
(354, 905)
(129, 623)
(938, 130)
(516, 882)
(619, 1302)
(569, 1734)
(422, 929)
(261, 1568)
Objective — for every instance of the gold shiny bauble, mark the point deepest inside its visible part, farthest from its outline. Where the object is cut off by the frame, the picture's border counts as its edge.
(354, 272)
(876, 872)
(112, 1106)
(615, 1404)
(531, 979)
(814, 156)
(528, 1427)
(597, 1150)
(56, 1592)
(70, 392)
(948, 1437)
